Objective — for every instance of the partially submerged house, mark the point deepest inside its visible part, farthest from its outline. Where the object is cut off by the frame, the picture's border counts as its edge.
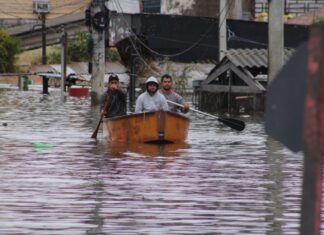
(237, 83)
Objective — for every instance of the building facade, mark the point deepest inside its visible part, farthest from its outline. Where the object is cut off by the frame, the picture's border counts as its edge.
(249, 8)
(294, 7)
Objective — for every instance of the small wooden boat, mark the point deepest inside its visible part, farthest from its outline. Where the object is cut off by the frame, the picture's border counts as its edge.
(149, 127)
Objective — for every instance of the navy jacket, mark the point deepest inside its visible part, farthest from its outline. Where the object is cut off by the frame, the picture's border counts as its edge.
(117, 106)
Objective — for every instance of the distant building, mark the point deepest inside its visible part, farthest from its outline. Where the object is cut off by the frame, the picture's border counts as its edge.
(294, 7)
(239, 9)
(205, 8)
(152, 6)
(23, 11)
(124, 6)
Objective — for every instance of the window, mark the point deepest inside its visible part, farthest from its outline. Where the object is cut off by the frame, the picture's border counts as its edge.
(152, 6)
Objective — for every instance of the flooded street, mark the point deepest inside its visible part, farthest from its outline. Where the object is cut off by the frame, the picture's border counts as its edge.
(54, 179)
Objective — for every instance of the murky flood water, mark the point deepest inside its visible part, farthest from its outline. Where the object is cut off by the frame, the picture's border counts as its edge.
(54, 179)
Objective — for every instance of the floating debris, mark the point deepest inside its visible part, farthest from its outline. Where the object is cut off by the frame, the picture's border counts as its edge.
(40, 145)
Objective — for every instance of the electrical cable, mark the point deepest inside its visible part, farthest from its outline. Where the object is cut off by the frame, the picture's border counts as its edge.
(227, 7)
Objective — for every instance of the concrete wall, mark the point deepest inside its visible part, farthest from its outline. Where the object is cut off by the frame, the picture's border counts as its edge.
(294, 7)
(206, 8)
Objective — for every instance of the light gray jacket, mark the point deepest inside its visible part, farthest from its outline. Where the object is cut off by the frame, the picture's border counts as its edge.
(147, 103)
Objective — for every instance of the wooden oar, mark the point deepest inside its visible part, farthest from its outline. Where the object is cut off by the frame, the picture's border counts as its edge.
(95, 133)
(231, 122)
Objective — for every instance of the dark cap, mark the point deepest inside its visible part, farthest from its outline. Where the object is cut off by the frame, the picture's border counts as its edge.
(113, 77)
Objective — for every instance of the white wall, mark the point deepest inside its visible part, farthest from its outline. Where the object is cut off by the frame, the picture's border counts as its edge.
(124, 6)
(176, 7)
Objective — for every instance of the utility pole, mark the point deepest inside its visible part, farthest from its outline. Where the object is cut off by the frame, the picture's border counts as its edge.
(99, 21)
(41, 8)
(275, 38)
(44, 60)
(222, 43)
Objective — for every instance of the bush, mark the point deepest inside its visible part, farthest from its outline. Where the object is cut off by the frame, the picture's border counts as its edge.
(78, 50)
(9, 49)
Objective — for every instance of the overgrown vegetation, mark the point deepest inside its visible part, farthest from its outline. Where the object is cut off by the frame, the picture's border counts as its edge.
(77, 51)
(9, 49)
(321, 21)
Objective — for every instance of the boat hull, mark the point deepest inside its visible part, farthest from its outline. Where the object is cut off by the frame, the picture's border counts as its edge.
(149, 127)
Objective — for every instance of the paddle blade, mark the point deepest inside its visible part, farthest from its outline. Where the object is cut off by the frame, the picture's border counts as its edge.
(95, 133)
(233, 123)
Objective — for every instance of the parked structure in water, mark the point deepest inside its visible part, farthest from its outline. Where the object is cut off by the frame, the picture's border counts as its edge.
(238, 83)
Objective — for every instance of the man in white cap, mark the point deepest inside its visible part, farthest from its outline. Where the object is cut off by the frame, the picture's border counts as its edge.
(151, 100)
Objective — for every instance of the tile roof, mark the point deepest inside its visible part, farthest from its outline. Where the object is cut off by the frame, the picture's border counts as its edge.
(81, 69)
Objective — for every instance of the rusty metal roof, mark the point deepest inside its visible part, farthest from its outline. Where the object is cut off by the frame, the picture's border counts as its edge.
(252, 57)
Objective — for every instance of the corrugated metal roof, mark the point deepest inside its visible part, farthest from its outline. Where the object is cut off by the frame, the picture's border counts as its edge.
(81, 70)
(252, 57)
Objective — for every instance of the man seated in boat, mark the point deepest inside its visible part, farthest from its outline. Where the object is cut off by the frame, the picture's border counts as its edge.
(151, 99)
(116, 98)
(166, 90)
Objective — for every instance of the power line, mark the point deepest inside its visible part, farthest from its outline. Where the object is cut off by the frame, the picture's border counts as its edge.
(227, 7)
(16, 13)
(136, 50)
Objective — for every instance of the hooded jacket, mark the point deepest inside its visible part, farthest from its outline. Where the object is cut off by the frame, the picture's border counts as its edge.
(152, 79)
(147, 102)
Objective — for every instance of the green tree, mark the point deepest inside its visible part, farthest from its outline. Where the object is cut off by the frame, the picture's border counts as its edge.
(9, 49)
(79, 49)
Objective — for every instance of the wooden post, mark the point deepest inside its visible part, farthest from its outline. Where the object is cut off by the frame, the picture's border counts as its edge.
(230, 77)
(313, 135)
(133, 77)
(63, 62)
(45, 84)
(23, 82)
(44, 60)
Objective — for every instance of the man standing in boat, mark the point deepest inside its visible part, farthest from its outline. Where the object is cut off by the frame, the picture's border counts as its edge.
(115, 97)
(166, 90)
(151, 99)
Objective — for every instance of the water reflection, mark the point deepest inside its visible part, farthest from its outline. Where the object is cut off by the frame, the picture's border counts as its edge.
(113, 148)
(54, 179)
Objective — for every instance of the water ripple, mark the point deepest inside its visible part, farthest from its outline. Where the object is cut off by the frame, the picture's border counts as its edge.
(55, 180)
